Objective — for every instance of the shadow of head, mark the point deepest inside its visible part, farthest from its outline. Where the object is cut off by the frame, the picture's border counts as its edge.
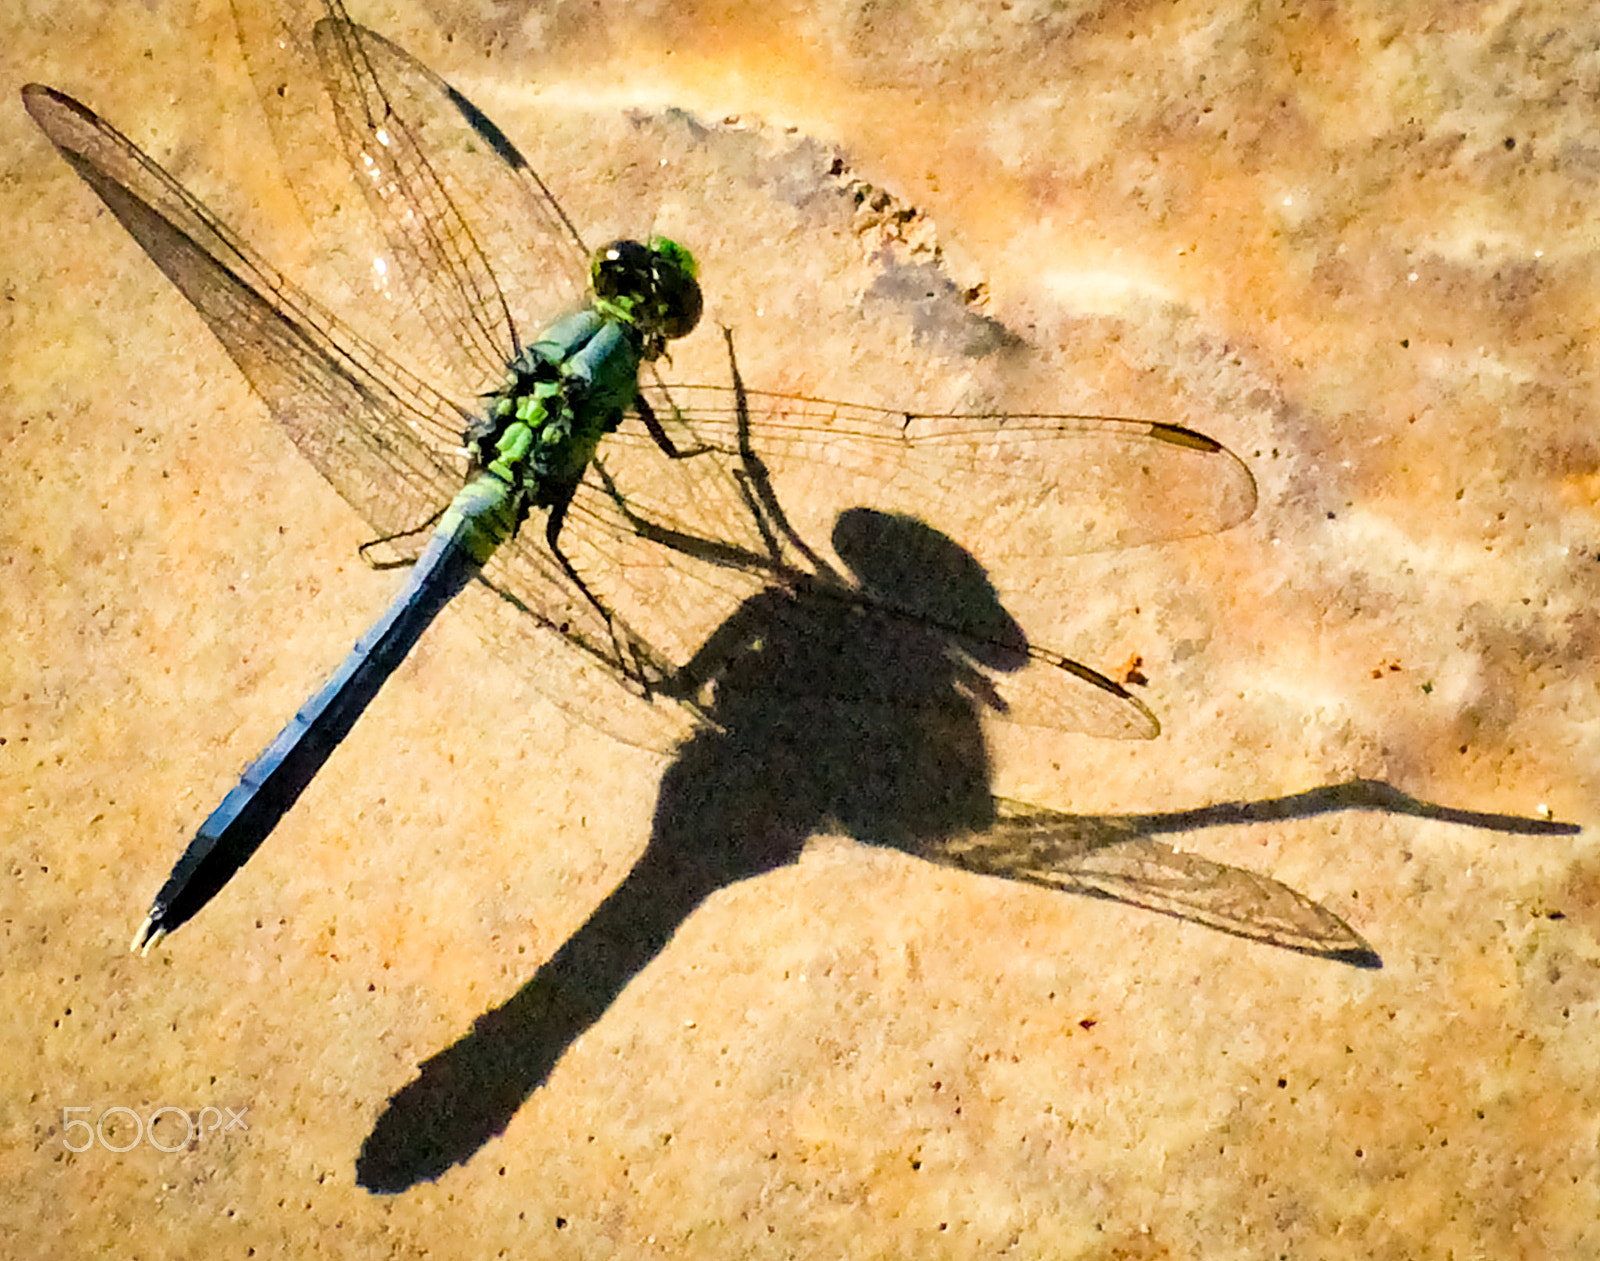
(910, 567)
(848, 707)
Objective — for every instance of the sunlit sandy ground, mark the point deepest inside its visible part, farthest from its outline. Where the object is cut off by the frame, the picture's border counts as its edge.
(1358, 248)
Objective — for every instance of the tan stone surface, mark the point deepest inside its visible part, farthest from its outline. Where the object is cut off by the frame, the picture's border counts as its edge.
(1356, 244)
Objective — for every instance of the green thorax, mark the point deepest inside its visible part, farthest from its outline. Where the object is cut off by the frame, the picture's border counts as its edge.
(570, 388)
(562, 395)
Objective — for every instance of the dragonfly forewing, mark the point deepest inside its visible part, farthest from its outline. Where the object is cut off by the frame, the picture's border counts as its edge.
(375, 431)
(440, 186)
(1039, 486)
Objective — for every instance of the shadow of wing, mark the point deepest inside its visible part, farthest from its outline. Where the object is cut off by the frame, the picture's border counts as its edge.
(1111, 858)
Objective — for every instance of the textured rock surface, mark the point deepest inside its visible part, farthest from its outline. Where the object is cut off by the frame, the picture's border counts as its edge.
(1356, 247)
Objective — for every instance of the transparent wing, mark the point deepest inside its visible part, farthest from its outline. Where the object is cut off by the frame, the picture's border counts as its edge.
(376, 432)
(444, 187)
(1109, 858)
(1039, 486)
(678, 545)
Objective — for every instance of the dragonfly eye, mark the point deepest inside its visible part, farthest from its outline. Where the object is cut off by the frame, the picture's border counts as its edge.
(622, 272)
(678, 301)
(655, 284)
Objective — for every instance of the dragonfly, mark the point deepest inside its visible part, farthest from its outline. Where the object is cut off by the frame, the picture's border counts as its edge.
(653, 530)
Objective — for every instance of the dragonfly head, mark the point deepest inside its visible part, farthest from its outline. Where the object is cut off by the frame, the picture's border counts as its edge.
(652, 286)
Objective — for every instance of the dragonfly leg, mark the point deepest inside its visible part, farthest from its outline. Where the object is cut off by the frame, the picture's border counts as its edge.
(755, 483)
(422, 532)
(624, 646)
(559, 503)
(662, 439)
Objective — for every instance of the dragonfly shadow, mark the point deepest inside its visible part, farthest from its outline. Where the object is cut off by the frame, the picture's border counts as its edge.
(859, 717)
(829, 713)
